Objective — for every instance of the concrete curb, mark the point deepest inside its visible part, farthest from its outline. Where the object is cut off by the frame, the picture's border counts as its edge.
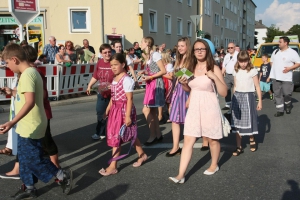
(75, 100)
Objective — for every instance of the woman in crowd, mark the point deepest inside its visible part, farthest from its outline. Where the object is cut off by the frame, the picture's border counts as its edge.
(203, 117)
(154, 95)
(180, 94)
(60, 56)
(70, 51)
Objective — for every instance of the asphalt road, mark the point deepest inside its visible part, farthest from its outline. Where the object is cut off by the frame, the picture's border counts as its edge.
(272, 172)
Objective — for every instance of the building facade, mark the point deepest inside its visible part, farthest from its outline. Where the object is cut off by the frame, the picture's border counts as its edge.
(261, 30)
(225, 21)
(103, 21)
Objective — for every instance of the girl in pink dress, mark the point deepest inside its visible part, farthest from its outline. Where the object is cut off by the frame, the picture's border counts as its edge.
(203, 116)
(121, 111)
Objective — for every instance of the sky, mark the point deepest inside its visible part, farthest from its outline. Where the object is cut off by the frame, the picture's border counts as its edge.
(283, 13)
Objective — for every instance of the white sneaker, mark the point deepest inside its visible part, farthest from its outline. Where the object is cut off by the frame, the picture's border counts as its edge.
(96, 137)
(102, 137)
(211, 173)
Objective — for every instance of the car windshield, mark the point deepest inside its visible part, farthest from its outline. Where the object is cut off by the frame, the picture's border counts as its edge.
(268, 49)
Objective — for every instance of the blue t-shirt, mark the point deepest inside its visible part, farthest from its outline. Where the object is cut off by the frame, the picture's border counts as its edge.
(265, 70)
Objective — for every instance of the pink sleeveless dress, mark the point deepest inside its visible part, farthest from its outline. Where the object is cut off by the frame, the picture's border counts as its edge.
(116, 117)
(203, 116)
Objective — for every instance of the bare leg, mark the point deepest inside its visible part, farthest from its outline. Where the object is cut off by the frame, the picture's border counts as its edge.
(238, 140)
(113, 164)
(154, 112)
(15, 170)
(160, 113)
(215, 149)
(176, 137)
(54, 160)
(150, 121)
(140, 151)
(186, 155)
(205, 141)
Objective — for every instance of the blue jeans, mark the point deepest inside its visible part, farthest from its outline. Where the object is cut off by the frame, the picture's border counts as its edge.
(33, 165)
(101, 106)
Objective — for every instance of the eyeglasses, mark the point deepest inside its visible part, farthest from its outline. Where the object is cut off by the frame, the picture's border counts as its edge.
(199, 50)
(230, 47)
(106, 52)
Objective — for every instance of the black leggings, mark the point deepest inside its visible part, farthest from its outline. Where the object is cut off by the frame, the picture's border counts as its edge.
(48, 143)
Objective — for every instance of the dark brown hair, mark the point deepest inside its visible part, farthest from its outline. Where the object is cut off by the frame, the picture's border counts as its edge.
(210, 62)
(104, 46)
(14, 50)
(243, 56)
(266, 55)
(120, 58)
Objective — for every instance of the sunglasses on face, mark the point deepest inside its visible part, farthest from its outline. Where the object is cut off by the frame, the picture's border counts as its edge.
(230, 47)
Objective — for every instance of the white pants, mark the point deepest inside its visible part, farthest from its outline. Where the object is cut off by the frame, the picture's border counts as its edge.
(12, 141)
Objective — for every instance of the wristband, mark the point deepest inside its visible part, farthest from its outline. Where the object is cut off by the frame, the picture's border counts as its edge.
(151, 78)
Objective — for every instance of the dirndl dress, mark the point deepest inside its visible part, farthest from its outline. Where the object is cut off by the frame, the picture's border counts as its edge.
(178, 108)
(243, 113)
(116, 117)
(155, 89)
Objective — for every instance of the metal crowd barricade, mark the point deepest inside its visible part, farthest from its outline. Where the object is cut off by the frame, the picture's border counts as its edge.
(6, 79)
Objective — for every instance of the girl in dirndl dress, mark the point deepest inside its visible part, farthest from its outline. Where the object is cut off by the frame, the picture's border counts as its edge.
(121, 111)
(243, 107)
(155, 90)
(180, 94)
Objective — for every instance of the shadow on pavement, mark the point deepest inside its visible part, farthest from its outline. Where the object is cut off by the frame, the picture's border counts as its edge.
(294, 193)
(113, 193)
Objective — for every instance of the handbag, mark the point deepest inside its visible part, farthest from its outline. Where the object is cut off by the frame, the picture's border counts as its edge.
(226, 127)
(125, 134)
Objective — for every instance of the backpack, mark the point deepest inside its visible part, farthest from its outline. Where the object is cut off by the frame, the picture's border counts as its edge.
(125, 134)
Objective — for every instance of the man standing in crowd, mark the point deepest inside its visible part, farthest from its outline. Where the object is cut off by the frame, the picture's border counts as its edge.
(227, 67)
(237, 48)
(50, 50)
(161, 48)
(283, 60)
(137, 49)
(86, 45)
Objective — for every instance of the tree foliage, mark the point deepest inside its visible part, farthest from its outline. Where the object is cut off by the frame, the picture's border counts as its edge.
(294, 30)
(273, 31)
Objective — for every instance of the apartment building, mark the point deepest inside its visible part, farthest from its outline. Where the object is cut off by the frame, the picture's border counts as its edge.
(225, 21)
(261, 30)
(105, 20)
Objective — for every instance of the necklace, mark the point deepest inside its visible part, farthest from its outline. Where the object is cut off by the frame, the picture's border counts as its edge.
(201, 69)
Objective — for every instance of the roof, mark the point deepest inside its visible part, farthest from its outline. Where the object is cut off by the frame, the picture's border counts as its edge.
(258, 24)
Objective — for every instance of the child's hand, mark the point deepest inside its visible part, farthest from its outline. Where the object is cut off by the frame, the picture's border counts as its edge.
(5, 127)
(105, 115)
(6, 91)
(259, 105)
(183, 80)
(141, 72)
(268, 80)
(127, 121)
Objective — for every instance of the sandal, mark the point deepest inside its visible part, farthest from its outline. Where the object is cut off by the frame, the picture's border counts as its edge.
(238, 151)
(103, 172)
(6, 151)
(252, 145)
(138, 164)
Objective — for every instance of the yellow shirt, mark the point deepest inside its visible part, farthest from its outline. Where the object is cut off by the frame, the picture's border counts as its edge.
(34, 124)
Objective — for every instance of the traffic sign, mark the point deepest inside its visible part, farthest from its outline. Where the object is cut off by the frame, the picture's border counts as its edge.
(196, 19)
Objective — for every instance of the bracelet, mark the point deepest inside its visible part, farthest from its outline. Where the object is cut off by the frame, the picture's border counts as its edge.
(151, 78)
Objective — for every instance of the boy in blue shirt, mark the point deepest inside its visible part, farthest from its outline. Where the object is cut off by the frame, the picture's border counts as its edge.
(264, 77)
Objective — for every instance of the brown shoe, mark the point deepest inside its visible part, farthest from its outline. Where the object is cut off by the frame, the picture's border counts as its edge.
(6, 151)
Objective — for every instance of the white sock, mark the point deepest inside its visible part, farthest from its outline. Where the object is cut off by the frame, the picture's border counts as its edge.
(60, 175)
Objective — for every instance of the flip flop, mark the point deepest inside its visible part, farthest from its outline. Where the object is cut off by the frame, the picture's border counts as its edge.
(103, 172)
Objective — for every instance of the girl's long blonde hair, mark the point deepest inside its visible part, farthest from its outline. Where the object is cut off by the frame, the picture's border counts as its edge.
(243, 56)
(165, 57)
(188, 55)
(150, 43)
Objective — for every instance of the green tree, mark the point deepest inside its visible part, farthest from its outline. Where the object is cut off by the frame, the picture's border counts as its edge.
(294, 30)
(273, 31)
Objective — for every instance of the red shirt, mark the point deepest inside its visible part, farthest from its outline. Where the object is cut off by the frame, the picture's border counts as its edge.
(47, 106)
(103, 73)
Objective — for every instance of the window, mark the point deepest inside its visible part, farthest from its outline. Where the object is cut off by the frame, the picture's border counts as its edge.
(222, 33)
(222, 10)
(189, 2)
(189, 29)
(79, 19)
(167, 24)
(152, 21)
(207, 6)
(179, 26)
(217, 19)
(227, 4)
(216, 41)
(226, 23)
